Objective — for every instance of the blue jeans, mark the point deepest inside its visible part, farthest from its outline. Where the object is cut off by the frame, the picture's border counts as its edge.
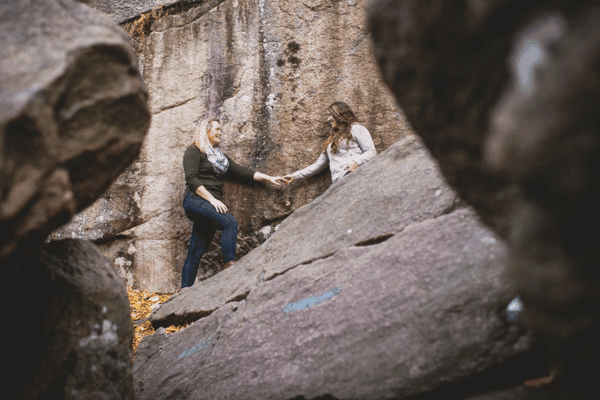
(206, 221)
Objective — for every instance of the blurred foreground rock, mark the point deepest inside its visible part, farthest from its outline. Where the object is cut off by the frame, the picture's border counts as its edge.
(69, 331)
(507, 106)
(73, 115)
(386, 286)
(529, 393)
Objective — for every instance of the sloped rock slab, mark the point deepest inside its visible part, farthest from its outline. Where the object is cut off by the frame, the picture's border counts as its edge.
(389, 320)
(401, 186)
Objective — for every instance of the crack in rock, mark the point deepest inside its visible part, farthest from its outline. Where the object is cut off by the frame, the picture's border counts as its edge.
(191, 317)
(324, 397)
(177, 320)
(375, 240)
(197, 9)
(172, 106)
(276, 274)
(239, 297)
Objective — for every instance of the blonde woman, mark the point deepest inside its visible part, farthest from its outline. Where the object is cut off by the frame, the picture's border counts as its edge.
(349, 146)
(206, 167)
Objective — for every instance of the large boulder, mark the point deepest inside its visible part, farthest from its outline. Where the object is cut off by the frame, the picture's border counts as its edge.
(73, 115)
(385, 286)
(268, 70)
(506, 106)
(68, 331)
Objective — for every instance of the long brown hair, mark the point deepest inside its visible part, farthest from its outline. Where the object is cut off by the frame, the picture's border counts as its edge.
(344, 116)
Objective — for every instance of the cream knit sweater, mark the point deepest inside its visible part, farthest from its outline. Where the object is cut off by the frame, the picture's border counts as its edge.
(360, 150)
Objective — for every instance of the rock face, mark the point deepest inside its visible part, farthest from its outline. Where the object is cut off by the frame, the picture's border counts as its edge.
(268, 70)
(122, 11)
(512, 124)
(72, 115)
(383, 287)
(70, 331)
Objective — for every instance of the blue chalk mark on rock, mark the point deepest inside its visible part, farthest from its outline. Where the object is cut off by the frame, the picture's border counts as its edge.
(205, 344)
(312, 301)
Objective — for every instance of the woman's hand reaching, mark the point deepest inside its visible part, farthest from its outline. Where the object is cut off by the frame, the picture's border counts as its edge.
(263, 178)
(275, 180)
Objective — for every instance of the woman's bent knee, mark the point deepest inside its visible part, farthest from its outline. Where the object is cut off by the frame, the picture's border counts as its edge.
(231, 221)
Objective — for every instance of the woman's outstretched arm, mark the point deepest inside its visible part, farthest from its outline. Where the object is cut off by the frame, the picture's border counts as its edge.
(311, 170)
(264, 178)
(246, 175)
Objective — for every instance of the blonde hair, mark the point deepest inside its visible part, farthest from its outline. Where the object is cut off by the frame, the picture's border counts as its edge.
(201, 133)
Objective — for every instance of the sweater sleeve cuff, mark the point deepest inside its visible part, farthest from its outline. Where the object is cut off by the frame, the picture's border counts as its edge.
(195, 183)
(247, 174)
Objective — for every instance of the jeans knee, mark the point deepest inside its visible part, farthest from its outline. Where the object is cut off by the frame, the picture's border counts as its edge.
(232, 222)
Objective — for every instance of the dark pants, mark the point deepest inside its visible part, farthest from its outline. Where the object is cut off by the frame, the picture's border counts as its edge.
(206, 221)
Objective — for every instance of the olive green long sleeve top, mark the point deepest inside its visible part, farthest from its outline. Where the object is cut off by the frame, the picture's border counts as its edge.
(199, 172)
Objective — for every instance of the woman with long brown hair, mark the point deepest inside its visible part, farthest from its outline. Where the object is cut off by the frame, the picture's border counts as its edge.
(348, 146)
(206, 167)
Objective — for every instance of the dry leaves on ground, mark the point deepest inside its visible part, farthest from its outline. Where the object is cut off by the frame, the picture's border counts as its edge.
(141, 304)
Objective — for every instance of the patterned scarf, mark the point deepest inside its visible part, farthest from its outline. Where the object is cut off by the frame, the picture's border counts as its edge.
(218, 160)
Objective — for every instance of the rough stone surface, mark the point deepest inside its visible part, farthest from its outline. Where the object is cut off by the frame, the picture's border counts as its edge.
(68, 333)
(398, 188)
(268, 70)
(73, 115)
(393, 292)
(515, 111)
(124, 10)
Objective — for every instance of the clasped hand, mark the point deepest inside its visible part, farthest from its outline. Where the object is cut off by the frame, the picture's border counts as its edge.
(278, 180)
(289, 178)
(264, 178)
(275, 180)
